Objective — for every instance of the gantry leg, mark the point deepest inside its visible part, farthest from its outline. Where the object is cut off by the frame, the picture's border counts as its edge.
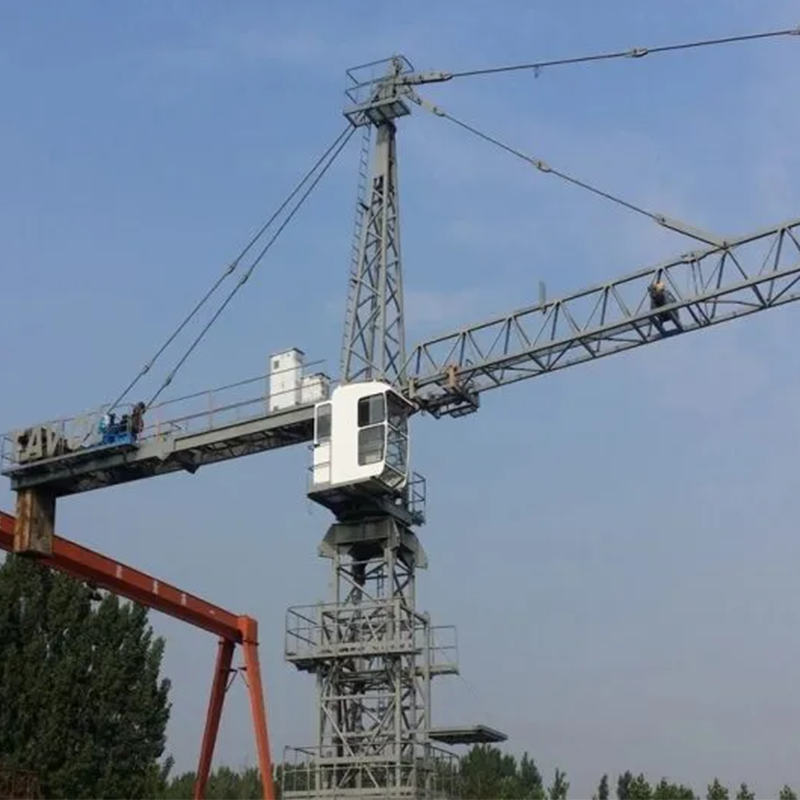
(35, 524)
(249, 629)
(222, 671)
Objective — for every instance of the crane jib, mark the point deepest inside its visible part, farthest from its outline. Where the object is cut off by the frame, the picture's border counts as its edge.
(446, 374)
(750, 274)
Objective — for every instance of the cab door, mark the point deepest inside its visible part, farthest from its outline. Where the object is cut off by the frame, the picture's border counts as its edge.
(323, 418)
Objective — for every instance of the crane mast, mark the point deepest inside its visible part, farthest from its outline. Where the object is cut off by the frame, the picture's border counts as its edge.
(372, 653)
(374, 346)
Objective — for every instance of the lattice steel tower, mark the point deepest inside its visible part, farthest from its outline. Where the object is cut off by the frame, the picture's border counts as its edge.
(372, 653)
(374, 346)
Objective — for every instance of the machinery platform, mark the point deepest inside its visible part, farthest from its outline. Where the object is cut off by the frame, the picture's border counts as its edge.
(162, 450)
(471, 734)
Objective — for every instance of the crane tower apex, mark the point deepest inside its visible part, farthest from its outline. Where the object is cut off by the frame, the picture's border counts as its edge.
(374, 346)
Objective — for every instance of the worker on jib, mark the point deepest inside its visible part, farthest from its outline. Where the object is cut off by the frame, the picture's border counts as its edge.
(137, 420)
(660, 296)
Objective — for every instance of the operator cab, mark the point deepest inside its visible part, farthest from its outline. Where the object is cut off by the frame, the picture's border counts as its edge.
(360, 442)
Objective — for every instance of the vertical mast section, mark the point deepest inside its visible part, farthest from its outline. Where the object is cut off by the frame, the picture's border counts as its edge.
(374, 338)
(372, 653)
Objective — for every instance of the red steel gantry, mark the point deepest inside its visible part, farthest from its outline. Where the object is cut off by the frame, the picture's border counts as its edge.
(232, 629)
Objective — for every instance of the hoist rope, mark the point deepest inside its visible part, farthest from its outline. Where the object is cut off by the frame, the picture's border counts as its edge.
(340, 144)
(230, 268)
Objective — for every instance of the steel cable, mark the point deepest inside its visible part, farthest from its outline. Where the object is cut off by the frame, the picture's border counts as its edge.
(230, 269)
(635, 52)
(542, 166)
(342, 142)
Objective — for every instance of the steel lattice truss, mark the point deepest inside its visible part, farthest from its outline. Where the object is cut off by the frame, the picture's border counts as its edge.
(370, 651)
(749, 274)
(374, 347)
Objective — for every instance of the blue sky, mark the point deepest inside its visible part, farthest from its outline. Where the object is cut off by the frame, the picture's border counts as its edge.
(615, 543)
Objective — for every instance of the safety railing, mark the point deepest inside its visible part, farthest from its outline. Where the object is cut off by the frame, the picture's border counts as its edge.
(364, 79)
(417, 496)
(233, 404)
(314, 772)
(63, 437)
(443, 649)
(192, 413)
(334, 630)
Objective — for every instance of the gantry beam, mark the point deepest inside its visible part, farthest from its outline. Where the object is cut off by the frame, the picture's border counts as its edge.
(749, 274)
(232, 629)
(104, 572)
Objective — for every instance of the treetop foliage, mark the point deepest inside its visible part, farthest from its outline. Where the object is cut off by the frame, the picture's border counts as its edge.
(487, 774)
(81, 701)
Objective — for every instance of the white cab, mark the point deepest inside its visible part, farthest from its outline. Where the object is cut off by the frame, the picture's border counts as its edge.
(361, 435)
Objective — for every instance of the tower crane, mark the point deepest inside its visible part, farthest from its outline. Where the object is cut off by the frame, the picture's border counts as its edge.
(373, 653)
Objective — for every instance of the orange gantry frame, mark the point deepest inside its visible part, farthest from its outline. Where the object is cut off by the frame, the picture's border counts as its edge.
(232, 629)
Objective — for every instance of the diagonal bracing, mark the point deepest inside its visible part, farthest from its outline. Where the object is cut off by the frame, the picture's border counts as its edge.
(374, 347)
(749, 274)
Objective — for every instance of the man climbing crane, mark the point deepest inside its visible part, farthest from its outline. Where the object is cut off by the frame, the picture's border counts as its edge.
(660, 296)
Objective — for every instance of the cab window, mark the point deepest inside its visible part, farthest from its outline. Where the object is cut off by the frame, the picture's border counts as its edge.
(322, 431)
(371, 444)
(371, 429)
(371, 410)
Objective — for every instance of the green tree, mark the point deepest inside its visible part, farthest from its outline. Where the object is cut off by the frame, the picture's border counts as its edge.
(224, 783)
(81, 701)
(487, 772)
(787, 793)
(716, 791)
(624, 782)
(180, 787)
(530, 780)
(640, 789)
(665, 790)
(560, 786)
(744, 793)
